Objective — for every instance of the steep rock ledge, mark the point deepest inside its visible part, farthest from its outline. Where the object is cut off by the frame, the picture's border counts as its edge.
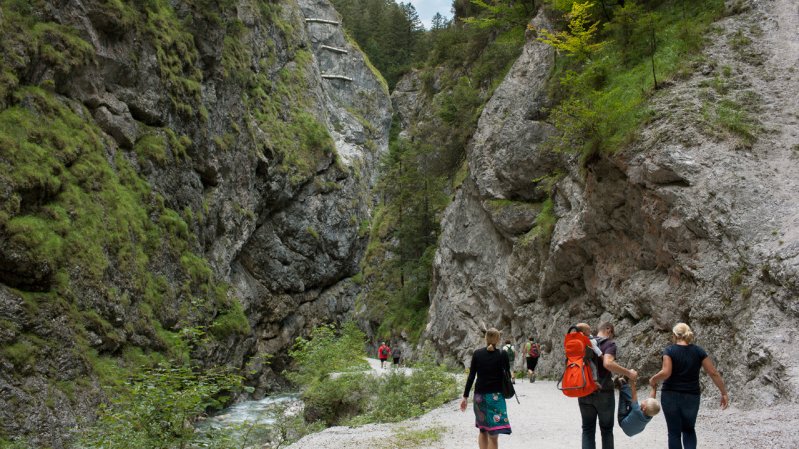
(687, 224)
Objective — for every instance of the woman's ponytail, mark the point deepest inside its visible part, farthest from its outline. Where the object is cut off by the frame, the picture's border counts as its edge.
(492, 339)
(683, 332)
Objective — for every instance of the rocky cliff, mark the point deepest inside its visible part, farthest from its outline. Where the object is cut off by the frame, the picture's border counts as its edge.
(173, 166)
(688, 223)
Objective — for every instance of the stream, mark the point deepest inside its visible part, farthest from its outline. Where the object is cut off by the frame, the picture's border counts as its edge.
(254, 418)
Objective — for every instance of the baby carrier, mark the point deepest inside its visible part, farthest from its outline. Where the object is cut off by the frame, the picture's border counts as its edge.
(577, 380)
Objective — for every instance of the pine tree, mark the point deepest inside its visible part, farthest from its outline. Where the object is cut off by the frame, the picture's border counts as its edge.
(577, 41)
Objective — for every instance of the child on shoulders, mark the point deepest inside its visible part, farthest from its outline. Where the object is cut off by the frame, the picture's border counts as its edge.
(592, 362)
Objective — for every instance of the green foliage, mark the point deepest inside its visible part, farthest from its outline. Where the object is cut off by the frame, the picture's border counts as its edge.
(463, 63)
(152, 147)
(336, 400)
(577, 42)
(287, 429)
(354, 396)
(26, 40)
(732, 117)
(410, 438)
(400, 397)
(327, 352)
(15, 444)
(87, 218)
(406, 225)
(178, 58)
(158, 409)
(280, 106)
(501, 14)
(231, 322)
(390, 34)
(21, 353)
(644, 42)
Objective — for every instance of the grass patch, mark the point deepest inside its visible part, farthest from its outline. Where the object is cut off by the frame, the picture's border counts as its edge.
(405, 437)
(544, 224)
(732, 117)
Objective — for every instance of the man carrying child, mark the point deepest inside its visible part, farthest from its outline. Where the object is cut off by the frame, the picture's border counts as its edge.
(599, 406)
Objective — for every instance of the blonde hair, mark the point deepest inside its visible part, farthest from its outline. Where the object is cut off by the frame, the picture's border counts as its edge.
(492, 338)
(683, 332)
(652, 406)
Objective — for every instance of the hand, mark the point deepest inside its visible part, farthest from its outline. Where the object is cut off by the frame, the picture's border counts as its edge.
(633, 374)
(463, 404)
(725, 401)
(652, 383)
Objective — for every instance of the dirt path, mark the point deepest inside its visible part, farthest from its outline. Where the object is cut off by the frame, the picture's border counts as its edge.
(546, 419)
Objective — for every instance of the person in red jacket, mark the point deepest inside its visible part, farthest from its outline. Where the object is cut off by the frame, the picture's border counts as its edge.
(382, 353)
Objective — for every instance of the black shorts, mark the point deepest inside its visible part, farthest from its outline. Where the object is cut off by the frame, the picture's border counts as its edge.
(396, 360)
(531, 363)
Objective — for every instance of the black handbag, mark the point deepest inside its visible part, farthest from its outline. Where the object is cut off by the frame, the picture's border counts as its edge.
(507, 383)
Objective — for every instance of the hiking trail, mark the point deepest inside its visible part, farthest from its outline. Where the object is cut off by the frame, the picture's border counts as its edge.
(546, 419)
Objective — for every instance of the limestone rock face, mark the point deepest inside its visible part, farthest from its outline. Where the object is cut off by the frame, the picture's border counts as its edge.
(503, 156)
(284, 236)
(687, 224)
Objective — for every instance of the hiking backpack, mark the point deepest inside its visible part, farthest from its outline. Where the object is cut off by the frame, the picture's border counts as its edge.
(577, 380)
(533, 351)
(511, 353)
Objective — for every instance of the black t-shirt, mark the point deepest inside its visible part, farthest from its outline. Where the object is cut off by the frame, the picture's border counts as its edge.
(605, 377)
(487, 366)
(686, 361)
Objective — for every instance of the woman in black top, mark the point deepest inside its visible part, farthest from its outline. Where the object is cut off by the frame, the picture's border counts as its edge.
(490, 410)
(681, 393)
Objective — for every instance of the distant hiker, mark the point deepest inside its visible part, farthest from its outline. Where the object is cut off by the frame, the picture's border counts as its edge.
(508, 348)
(681, 393)
(633, 417)
(532, 351)
(600, 405)
(490, 410)
(396, 354)
(382, 353)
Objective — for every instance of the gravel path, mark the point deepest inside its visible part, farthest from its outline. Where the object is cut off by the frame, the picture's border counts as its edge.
(546, 419)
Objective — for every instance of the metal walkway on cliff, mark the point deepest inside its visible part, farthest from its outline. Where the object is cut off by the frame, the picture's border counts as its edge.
(330, 76)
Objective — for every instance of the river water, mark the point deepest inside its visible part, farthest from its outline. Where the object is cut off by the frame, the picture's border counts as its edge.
(255, 419)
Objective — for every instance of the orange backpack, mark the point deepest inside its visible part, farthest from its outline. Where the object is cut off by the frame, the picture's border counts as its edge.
(577, 380)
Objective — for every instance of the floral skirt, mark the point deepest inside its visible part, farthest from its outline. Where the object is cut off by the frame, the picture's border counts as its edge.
(491, 413)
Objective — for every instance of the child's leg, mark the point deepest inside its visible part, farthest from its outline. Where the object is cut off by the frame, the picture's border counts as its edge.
(625, 402)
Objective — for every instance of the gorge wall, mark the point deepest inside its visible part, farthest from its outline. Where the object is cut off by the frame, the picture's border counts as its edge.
(689, 223)
(167, 166)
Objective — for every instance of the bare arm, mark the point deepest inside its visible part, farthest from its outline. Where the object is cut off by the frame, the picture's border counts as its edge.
(609, 362)
(714, 374)
(663, 374)
(634, 390)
